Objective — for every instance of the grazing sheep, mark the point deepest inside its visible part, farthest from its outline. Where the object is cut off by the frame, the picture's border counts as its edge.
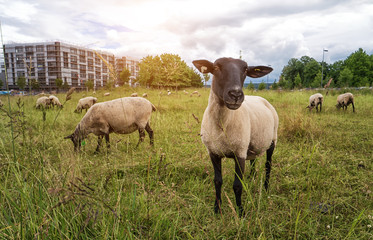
(134, 95)
(344, 100)
(145, 95)
(316, 100)
(43, 102)
(122, 115)
(85, 103)
(106, 94)
(55, 101)
(234, 125)
(169, 92)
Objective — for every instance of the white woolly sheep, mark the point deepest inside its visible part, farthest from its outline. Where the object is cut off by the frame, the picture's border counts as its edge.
(122, 115)
(316, 100)
(55, 101)
(134, 95)
(106, 94)
(145, 95)
(344, 100)
(234, 125)
(85, 103)
(43, 102)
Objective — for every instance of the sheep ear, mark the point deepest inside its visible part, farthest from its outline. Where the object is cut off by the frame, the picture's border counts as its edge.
(69, 137)
(204, 66)
(258, 71)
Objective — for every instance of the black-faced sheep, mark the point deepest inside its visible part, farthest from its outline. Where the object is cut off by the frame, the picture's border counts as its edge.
(122, 115)
(55, 101)
(85, 103)
(316, 100)
(344, 100)
(134, 95)
(43, 102)
(234, 125)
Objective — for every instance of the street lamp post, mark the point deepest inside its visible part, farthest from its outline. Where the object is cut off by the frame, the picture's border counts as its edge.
(269, 65)
(322, 66)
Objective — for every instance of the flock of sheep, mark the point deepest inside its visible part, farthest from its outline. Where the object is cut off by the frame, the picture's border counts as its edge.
(233, 126)
(343, 101)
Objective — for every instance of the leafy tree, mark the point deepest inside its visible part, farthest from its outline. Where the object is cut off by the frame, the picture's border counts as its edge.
(316, 81)
(21, 82)
(334, 72)
(346, 76)
(361, 67)
(298, 82)
(206, 77)
(262, 86)
(35, 84)
(65, 85)
(89, 84)
(59, 83)
(251, 86)
(124, 76)
(167, 70)
(311, 68)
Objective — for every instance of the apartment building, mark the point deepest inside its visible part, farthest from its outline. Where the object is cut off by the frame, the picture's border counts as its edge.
(129, 63)
(47, 61)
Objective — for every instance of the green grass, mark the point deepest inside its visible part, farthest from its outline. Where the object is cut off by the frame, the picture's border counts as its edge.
(320, 187)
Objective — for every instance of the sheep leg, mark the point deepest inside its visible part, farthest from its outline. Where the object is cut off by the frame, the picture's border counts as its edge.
(107, 139)
(237, 184)
(353, 106)
(99, 142)
(320, 106)
(269, 164)
(142, 136)
(218, 180)
(151, 134)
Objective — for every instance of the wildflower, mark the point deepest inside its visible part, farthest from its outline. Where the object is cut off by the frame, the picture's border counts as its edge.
(336, 217)
(369, 226)
(328, 227)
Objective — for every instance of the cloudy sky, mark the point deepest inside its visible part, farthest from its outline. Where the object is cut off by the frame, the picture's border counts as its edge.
(266, 32)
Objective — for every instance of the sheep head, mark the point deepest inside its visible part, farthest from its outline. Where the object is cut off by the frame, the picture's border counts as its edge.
(229, 75)
(76, 137)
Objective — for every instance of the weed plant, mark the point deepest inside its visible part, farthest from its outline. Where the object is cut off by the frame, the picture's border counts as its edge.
(320, 186)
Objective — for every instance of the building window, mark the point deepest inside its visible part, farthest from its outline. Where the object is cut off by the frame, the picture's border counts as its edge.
(51, 48)
(74, 50)
(19, 49)
(74, 59)
(40, 48)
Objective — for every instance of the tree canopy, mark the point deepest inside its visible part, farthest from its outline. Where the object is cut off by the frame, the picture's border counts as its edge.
(167, 70)
(355, 71)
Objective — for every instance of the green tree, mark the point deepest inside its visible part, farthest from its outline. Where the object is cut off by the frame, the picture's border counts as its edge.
(65, 85)
(167, 70)
(206, 77)
(251, 86)
(262, 86)
(360, 65)
(59, 83)
(21, 82)
(298, 82)
(316, 81)
(89, 84)
(35, 84)
(346, 77)
(311, 68)
(124, 76)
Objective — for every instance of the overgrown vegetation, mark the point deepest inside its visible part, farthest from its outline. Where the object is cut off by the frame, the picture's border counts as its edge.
(320, 188)
(355, 71)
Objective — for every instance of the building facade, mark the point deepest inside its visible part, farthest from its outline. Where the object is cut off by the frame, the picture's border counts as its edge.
(129, 63)
(74, 65)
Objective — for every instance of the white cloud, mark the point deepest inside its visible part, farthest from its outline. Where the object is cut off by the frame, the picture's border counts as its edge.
(266, 33)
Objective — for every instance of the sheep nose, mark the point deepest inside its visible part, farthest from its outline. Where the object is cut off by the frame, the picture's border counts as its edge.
(235, 94)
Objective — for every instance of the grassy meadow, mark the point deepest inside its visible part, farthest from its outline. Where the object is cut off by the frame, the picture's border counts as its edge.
(320, 186)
